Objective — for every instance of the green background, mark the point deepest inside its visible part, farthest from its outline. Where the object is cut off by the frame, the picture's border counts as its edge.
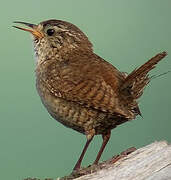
(126, 33)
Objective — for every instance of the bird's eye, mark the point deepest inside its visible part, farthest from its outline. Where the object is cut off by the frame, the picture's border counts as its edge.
(50, 32)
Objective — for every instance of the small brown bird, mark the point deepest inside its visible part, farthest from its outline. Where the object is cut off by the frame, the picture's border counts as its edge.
(80, 89)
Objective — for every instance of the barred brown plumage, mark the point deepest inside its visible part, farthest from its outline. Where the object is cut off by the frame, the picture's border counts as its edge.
(80, 89)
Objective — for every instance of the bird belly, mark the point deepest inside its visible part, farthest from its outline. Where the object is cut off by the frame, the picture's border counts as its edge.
(76, 116)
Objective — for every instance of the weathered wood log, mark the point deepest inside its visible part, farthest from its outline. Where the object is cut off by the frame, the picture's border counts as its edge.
(152, 162)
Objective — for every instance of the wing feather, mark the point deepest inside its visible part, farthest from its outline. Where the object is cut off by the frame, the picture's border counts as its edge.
(92, 84)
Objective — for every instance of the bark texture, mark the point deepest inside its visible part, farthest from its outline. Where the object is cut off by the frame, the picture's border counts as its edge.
(152, 162)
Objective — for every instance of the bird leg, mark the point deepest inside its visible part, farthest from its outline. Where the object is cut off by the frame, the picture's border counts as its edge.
(106, 138)
(89, 136)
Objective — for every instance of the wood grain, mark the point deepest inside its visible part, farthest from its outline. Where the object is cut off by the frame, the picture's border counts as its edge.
(152, 162)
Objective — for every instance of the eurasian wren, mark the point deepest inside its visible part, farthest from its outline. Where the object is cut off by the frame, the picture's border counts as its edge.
(80, 89)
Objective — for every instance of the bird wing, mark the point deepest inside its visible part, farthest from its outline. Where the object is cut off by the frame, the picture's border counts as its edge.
(92, 83)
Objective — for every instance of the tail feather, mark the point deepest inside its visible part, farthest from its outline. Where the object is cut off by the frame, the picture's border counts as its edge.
(136, 81)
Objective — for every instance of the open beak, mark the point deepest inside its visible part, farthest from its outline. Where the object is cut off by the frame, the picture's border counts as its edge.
(33, 29)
